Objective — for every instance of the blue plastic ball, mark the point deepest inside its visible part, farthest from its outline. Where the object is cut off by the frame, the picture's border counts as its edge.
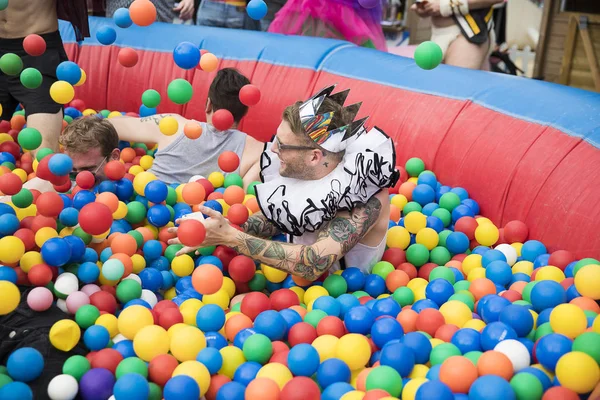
(210, 317)
(158, 215)
(303, 360)
(435, 223)
(461, 211)
(131, 386)
(494, 333)
(532, 249)
(434, 390)
(359, 320)
(547, 294)
(88, 272)
(9, 224)
(423, 194)
(216, 340)
(517, 317)
(386, 306)
(146, 112)
(231, 391)
(490, 256)
(77, 246)
(152, 249)
(271, 324)
(491, 387)
(69, 216)
(427, 179)
(8, 274)
(336, 391)
(246, 372)
(422, 304)
(327, 304)
(398, 356)
(457, 242)
(472, 204)
(186, 55)
(467, 340)
(439, 290)
(347, 302)
(181, 387)
(25, 364)
(151, 279)
(16, 391)
(124, 189)
(70, 72)
(374, 285)
(156, 191)
(499, 272)
(355, 279)
(56, 252)
(214, 205)
(331, 371)
(541, 260)
(106, 35)
(213, 260)
(122, 18)
(420, 346)
(125, 347)
(256, 9)
(96, 337)
(385, 330)
(82, 198)
(7, 157)
(551, 348)
(211, 358)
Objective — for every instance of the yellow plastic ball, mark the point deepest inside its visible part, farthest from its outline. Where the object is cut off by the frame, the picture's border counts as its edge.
(146, 162)
(11, 249)
(272, 274)
(187, 342)
(568, 320)
(398, 238)
(174, 329)
(168, 126)
(62, 92)
(135, 170)
(132, 319)
(456, 313)
(233, 357)
(299, 292)
(313, 293)
(353, 395)
(141, 180)
(354, 350)
(277, 372)
(419, 371)
(43, 234)
(89, 111)
(82, 79)
(224, 205)
(476, 324)
(151, 341)
(428, 237)
(197, 371)
(30, 259)
(220, 298)
(487, 234)
(476, 273)
(414, 180)
(5, 137)
(578, 371)
(471, 262)
(182, 265)
(415, 221)
(419, 293)
(66, 231)
(65, 334)
(524, 267)
(325, 346)
(550, 273)
(399, 200)
(30, 211)
(21, 174)
(587, 281)
(170, 294)
(10, 296)
(121, 211)
(596, 324)
(416, 283)
(110, 322)
(114, 114)
(409, 392)
(154, 229)
(435, 342)
(517, 246)
(193, 304)
(228, 286)
(179, 193)
(217, 179)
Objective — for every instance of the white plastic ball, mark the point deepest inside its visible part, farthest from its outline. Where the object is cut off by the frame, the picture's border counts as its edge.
(62, 305)
(195, 178)
(63, 387)
(134, 277)
(90, 289)
(149, 297)
(516, 352)
(66, 283)
(509, 252)
(118, 338)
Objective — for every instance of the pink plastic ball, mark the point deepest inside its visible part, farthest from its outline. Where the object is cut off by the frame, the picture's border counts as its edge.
(90, 289)
(40, 299)
(76, 300)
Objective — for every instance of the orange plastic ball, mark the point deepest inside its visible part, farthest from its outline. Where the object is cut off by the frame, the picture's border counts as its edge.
(262, 389)
(406, 189)
(236, 324)
(125, 244)
(147, 234)
(142, 12)
(127, 262)
(252, 204)
(109, 199)
(234, 195)
(238, 214)
(481, 287)
(394, 213)
(209, 62)
(396, 279)
(207, 279)
(128, 154)
(193, 193)
(408, 320)
(191, 232)
(229, 161)
(495, 363)
(192, 130)
(458, 373)
(429, 320)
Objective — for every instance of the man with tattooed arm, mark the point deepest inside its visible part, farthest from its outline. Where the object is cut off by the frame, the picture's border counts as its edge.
(325, 181)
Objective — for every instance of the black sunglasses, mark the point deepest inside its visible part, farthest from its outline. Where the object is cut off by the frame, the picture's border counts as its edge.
(282, 146)
(73, 174)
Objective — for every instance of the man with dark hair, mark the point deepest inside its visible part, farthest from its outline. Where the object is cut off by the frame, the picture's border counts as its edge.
(179, 158)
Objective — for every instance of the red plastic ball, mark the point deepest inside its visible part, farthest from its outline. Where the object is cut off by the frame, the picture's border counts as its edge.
(238, 214)
(4, 126)
(560, 259)
(429, 320)
(375, 394)
(216, 383)
(39, 222)
(279, 346)
(128, 57)
(229, 161)
(104, 301)
(63, 187)
(34, 45)
(516, 231)
(281, 357)
(249, 95)
(225, 254)
(284, 298)
(426, 269)
(95, 218)
(301, 388)
(107, 358)
(242, 269)
(114, 170)
(164, 305)
(331, 325)
(170, 317)
(10, 147)
(161, 368)
(208, 187)
(40, 275)
(222, 119)
(466, 225)
(191, 232)
(49, 204)
(78, 104)
(302, 332)
(394, 256)
(560, 393)
(10, 184)
(27, 237)
(254, 303)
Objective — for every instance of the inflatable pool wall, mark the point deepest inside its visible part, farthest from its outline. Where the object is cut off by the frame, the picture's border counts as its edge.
(524, 149)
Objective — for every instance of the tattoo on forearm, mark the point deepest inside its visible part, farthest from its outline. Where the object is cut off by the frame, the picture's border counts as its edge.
(156, 118)
(259, 225)
(255, 246)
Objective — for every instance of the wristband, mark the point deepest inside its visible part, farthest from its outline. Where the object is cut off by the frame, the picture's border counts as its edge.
(453, 7)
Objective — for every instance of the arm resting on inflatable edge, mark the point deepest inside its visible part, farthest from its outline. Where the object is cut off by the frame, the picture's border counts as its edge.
(145, 129)
(336, 238)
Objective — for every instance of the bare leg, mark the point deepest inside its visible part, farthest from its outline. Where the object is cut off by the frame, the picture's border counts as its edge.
(465, 54)
(49, 126)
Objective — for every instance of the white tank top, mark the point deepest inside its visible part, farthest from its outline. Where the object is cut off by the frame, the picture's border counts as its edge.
(361, 256)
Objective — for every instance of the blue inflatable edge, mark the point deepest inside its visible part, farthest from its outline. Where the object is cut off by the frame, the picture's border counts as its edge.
(573, 111)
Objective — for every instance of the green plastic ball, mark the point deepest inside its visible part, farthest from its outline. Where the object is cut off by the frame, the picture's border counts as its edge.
(151, 98)
(136, 212)
(86, 316)
(442, 236)
(251, 186)
(385, 378)
(171, 250)
(237, 307)
(29, 138)
(445, 216)
(43, 152)
(140, 146)
(5, 380)
(462, 285)
(442, 273)
(414, 166)
(314, 317)
(543, 330)
(76, 366)
(3, 370)
(428, 55)
(360, 293)
(473, 355)
(207, 251)
(180, 91)
(258, 348)
(233, 180)
(527, 386)
(463, 298)
(449, 201)
(442, 352)
(155, 392)
(383, 269)
(23, 199)
(440, 255)
(139, 238)
(335, 285)
(417, 254)
(171, 196)
(86, 237)
(583, 262)
(410, 207)
(589, 343)
(257, 283)
(68, 119)
(9, 165)
(132, 365)
(3, 4)
(403, 296)
(31, 78)
(527, 291)
(128, 290)
(105, 113)
(11, 64)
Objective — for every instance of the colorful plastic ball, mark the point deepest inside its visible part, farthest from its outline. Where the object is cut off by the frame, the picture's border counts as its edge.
(65, 334)
(222, 119)
(385, 378)
(8, 274)
(132, 319)
(68, 71)
(186, 343)
(303, 360)
(25, 364)
(63, 387)
(192, 130)
(249, 95)
(550, 348)
(179, 91)
(401, 357)
(434, 389)
(31, 78)
(131, 386)
(228, 161)
(332, 371)
(209, 62)
(578, 371)
(186, 55)
(516, 352)
(517, 317)
(210, 318)
(491, 387)
(34, 45)
(95, 218)
(458, 373)
(142, 12)
(207, 279)
(532, 249)
(568, 320)
(106, 35)
(547, 294)
(256, 9)
(16, 390)
(122, 18)
(587, 281)
(191, 232)
(96, 337)
(181, 387)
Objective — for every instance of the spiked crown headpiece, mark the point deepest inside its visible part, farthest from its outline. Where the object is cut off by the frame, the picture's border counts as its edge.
(316, 125)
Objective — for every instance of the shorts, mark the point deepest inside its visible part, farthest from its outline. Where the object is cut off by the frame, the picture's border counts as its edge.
(12, 91)
(445, 36)
(220, 14)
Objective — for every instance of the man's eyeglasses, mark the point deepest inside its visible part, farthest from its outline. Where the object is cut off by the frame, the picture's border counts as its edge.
(282, 146)
(73, 174)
